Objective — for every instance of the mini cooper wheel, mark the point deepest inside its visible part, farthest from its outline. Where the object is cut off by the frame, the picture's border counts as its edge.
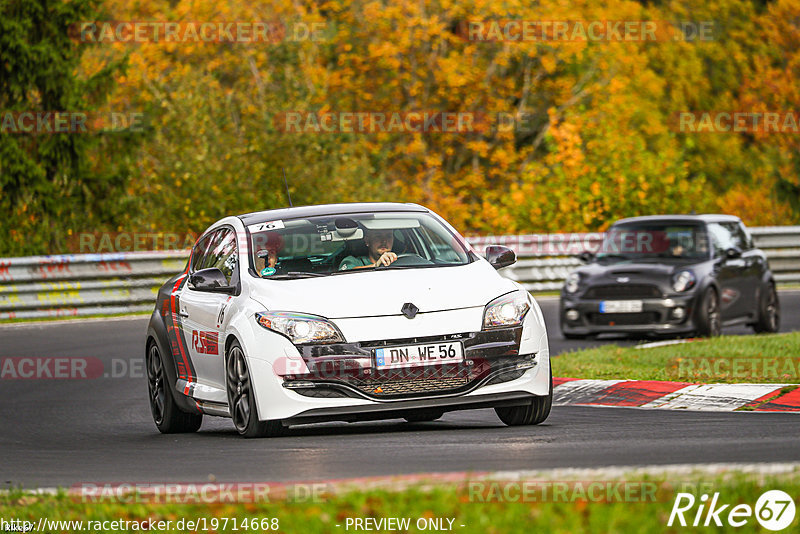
(241, 400)
(533, 413)
(709, 320)
(423, 417)
(769, 312)
(167, 416)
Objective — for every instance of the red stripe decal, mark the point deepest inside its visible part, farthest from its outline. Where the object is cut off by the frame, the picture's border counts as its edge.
(179, 334)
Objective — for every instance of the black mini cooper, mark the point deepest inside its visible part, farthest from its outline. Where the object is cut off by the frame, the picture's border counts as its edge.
(670, 275)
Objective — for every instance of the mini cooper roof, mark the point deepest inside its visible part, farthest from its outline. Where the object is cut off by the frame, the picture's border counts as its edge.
(706, 218)
(301, 212)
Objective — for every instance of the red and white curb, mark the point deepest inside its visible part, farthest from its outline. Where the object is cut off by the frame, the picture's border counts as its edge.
(676, 395)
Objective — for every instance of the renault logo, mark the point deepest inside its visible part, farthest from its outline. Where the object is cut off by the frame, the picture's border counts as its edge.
(409, 310)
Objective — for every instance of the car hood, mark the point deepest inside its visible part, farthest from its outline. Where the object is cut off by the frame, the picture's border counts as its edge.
(633, 269)
(383, 292)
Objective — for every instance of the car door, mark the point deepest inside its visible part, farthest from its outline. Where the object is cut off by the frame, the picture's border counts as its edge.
(730, 272)
(203, 317)
(754, 267)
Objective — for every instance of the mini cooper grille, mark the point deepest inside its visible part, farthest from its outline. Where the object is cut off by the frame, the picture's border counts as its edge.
(623, 291)
(616, 319)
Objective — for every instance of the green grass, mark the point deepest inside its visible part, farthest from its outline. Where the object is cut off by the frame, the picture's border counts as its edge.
(728, 359)
(646, 512)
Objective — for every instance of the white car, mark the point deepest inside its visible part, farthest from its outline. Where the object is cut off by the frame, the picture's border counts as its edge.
(343, 312)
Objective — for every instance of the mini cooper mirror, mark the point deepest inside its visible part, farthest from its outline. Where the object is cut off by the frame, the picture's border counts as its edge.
(210, 280)
(499, 256)
(586, 256)
(733, 253)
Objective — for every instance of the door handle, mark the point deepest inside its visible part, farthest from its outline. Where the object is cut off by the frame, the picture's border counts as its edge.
(183, 313)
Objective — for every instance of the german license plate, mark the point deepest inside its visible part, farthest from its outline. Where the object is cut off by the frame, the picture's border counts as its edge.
(415, 355)
(620, 306)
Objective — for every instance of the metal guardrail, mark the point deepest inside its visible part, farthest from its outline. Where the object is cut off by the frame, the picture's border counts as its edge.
(89, 284)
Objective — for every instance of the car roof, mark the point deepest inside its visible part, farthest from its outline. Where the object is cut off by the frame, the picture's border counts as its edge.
(301, 212)
(705, 218)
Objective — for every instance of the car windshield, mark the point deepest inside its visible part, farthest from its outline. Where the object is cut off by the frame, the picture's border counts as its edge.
(654, 240)
(339, 244)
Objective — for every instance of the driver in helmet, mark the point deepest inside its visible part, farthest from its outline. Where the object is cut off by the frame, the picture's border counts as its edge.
(379, 251)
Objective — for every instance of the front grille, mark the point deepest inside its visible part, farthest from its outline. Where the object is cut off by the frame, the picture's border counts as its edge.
(506, 377)
(412, 381)
(383, 388)
(324, 392)
(622, 319)
(623, 291)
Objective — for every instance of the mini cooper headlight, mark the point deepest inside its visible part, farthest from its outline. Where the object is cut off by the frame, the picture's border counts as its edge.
(572, 282)
(508, 310)
(683, 281)
(300, 328)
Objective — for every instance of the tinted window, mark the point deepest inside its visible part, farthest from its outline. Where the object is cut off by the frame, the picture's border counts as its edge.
(723, 238)
(321, 245)
(747, 239)
(654, 239)
(199, 251)
(222, 253)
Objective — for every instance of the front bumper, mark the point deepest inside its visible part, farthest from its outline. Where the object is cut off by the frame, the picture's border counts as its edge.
(657, 316)
(347, 370)
(343, 377)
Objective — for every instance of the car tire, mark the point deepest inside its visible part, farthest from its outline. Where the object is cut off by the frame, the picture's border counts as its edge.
(533, 413)
(769, 312)
(241, 398)
(709, 316)
(423, 417)
(167, 416)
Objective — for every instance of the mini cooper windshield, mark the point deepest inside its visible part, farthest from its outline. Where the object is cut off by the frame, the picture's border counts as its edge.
(339, 244)
(659, 241)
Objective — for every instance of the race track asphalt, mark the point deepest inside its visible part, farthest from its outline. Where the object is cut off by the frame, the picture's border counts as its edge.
(64, 432)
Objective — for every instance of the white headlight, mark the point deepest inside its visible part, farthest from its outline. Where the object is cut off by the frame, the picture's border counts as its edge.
(300, 328)
(508, 310)
(683, 280)
(572, 282)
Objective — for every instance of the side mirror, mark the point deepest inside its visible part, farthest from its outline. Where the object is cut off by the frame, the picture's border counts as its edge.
(733, 253)
(212, 280)
(586, 256)
(499, 256)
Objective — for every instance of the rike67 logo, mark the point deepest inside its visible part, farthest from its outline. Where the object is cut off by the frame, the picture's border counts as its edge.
(774, 510)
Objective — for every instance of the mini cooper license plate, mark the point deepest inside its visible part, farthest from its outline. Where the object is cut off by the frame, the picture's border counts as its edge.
(416, 355)
(620, 306)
